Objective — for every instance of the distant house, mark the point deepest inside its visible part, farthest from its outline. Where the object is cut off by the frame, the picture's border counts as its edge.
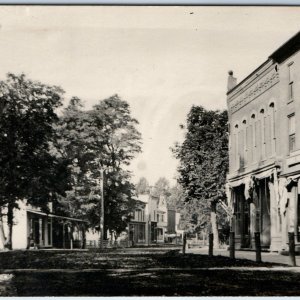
(152, 217)
(34, 228)
(162, 219)
(137, 225)
(142, 228)
(149, 223)
(171, 220)
(173, 233)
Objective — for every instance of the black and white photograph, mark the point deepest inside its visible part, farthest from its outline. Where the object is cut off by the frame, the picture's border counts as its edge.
(149, 150)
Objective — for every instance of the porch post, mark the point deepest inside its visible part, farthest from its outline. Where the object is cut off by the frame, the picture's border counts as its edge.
(71, 236)
(274, 232)
(63, 231)
(252, 223)
(40, 232)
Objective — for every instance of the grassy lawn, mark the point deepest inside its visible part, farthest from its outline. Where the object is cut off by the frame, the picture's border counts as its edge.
(130, 273)
(158, 283)
(114, 259)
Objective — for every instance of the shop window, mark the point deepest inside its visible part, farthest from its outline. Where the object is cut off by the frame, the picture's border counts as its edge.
(258, 140)
(291, 81)
(263, 132)
(249, 146)
(292, 131)
(272, 128)
(267, 134)
(234, 152)
(241, 149)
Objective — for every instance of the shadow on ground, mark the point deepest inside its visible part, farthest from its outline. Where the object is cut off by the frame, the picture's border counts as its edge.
(139, 272)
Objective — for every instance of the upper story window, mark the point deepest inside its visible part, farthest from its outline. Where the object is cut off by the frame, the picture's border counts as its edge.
(292, 131)
(291, 80)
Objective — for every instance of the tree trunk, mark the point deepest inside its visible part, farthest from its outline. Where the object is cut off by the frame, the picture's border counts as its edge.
(10, 217)
(83, 245)
(71, 236)
(214, 225)
(105, 232)
(2, 234)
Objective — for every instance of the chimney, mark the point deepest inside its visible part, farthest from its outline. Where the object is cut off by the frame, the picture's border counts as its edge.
(231, 83)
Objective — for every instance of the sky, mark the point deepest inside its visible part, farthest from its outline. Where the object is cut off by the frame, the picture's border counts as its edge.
(161, 60)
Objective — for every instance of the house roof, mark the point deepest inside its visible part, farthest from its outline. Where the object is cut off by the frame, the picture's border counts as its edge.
(287, 49)
(143, 198)
(284, 51)
(54, 216)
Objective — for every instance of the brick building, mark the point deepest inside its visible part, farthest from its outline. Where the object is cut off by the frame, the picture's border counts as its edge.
(264, 150)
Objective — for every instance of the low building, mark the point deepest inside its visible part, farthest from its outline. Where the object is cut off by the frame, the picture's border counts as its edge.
(173, 233)
(137, 227)
(264, 150)
(162, 219)
(149, 220)
(34, 228)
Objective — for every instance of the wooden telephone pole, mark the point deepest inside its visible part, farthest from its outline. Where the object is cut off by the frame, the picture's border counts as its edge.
(101, 209)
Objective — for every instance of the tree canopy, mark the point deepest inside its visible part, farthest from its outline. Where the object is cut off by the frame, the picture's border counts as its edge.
(29, 169)
(142, 186)
(106, 138)
(203, 157)
(162, 187)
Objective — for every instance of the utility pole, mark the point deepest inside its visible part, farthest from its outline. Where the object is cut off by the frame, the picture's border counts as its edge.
(101, 209)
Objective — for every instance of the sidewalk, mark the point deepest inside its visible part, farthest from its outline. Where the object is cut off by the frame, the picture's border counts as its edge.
(271, 257)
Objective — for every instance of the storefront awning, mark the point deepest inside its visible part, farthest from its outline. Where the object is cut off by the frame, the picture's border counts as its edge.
(246, 179)
(264, 174)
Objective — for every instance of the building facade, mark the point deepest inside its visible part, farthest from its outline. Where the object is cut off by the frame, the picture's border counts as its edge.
(264, 150)
(138, 231)
(149, 221)
(162, 219)
(34, 228)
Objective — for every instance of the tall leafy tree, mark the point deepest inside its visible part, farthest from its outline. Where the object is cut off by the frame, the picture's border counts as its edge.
(162, 187)
(29, 168)
(176, 197)
(103, 138)
(203, 158)
(142, 187)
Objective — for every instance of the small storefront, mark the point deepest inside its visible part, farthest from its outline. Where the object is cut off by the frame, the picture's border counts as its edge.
(160, 234)
(253, 201)
(267, 203)
(52, 231)
(137, 233)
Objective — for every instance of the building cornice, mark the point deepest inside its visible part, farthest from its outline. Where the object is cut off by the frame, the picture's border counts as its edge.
(256, 86)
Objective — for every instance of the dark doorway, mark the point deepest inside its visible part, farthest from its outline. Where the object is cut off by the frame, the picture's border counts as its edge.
(263, 212)
(153, 232)
(58, 235)
(36, 231)
(242, 217)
